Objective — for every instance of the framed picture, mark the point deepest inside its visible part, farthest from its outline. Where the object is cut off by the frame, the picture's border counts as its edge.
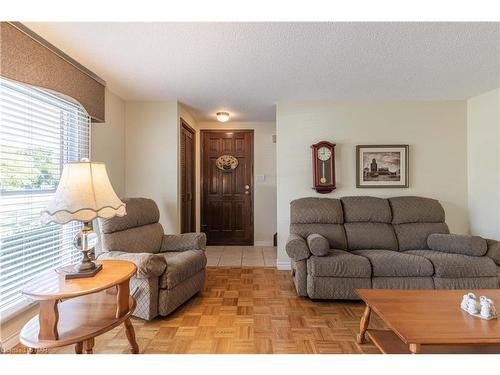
(382, 166)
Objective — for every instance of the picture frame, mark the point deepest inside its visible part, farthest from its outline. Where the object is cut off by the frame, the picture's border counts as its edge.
(382, 166)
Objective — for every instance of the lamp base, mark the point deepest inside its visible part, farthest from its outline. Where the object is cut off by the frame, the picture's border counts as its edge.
(73, 272)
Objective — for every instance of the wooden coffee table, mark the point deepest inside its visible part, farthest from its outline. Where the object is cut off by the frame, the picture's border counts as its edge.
(428, 321)
(75, 311)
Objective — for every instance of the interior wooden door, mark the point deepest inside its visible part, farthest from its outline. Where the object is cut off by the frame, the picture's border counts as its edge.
(187, 160)
(227, 195)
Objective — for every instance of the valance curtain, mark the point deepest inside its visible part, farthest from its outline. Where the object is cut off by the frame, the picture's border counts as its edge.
(26, 57)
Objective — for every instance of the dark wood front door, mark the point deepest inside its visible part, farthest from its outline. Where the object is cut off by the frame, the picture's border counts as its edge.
(227, 195)
(188, 216)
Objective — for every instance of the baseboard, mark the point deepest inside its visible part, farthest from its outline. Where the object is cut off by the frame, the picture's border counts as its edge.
(262, 243)
(10, 342)
(284, 265)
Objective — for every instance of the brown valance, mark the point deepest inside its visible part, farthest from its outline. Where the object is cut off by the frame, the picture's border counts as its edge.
(28, 58)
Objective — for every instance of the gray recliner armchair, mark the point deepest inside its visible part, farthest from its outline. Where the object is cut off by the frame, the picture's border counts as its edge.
(170, 268)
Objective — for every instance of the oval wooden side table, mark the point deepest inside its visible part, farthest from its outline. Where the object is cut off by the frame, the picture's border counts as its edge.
(75, 311)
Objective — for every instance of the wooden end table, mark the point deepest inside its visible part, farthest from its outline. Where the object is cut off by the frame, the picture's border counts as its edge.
(428, 321)
(76, 311)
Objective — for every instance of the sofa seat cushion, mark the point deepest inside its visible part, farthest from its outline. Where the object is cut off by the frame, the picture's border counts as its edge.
(457, 265)
(339, 263)
(181, 265)
(387, 263)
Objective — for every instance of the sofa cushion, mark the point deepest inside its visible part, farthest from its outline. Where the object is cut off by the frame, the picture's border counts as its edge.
(413, 236)
(366, 209)
(181, 266)
(388, 263)
(457, 265)
(458, 244)
(318, 245)
(370, 236)
(339, 263)
(143, 239)
(316, 210)
(334, 233)
(140, 211)
(416, 210)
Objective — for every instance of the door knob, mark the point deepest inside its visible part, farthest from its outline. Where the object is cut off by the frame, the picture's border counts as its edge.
(247, 187)
(247, 192)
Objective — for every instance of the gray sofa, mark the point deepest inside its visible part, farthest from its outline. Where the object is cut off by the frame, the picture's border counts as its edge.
(339, 245)
(171, 268)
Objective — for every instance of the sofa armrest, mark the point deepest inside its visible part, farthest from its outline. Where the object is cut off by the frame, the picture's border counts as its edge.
(148, 265)
(493, 250)
(296, 248)
(182, 242)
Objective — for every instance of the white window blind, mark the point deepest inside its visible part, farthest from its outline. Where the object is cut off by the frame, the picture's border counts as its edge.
(39, 132)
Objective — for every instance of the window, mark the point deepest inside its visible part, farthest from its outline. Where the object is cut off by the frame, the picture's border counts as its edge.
(39, 132)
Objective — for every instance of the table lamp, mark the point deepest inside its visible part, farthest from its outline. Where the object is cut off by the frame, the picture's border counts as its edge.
(84, 193)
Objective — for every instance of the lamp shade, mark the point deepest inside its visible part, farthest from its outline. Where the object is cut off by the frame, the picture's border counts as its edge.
(83, 194)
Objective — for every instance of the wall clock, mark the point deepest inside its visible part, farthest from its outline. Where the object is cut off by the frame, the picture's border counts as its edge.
(323, 158)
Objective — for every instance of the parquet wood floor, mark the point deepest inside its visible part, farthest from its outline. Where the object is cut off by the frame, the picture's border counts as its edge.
(247, 310)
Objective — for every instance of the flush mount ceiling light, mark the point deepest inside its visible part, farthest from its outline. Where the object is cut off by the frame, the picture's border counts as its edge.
(222, 116)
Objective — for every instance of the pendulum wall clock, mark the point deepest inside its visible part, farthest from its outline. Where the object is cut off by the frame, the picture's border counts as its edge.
(323, 158)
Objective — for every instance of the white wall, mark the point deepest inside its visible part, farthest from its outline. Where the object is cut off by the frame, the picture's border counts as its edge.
(151, 143)
(264, 164)
(435, 131)
(483, 157)
(108, 141)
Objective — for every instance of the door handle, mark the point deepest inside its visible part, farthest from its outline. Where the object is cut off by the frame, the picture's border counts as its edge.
(247, 187)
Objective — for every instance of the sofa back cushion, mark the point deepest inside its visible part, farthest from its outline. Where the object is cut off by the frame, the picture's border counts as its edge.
(322, 216)
(136, 232)
(367, 224)
(140, 211)
(414, 219)
(366, 209)
(144, 239)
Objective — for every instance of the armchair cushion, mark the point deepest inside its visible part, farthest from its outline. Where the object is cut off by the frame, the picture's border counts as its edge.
(493, 250)
(457, 244)
(148, 265)
(182, 242)
(318, 245)
(296, 248)
(181, 265)
(144, 239)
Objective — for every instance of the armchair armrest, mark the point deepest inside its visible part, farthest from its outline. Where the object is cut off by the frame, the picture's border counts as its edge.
(182, 242)
(493, 250)
(296, 247)
(148, 265)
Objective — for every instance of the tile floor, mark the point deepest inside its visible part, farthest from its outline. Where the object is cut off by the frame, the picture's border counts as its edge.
(241, 256)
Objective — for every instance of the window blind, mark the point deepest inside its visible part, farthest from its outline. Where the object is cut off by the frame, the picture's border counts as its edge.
(39, 132)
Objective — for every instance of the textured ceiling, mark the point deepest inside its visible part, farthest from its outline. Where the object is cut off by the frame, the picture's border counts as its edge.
(246, 68)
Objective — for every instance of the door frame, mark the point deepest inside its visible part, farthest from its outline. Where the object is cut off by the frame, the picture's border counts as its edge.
(189, 128)
(202, 179)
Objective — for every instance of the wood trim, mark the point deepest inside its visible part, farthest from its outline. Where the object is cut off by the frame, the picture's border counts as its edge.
(252, 182)
(190, 129)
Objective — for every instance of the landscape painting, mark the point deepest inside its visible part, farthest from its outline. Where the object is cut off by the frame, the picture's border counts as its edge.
(379, 166)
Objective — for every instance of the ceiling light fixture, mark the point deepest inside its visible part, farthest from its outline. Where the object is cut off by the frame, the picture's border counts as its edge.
(222, 116)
